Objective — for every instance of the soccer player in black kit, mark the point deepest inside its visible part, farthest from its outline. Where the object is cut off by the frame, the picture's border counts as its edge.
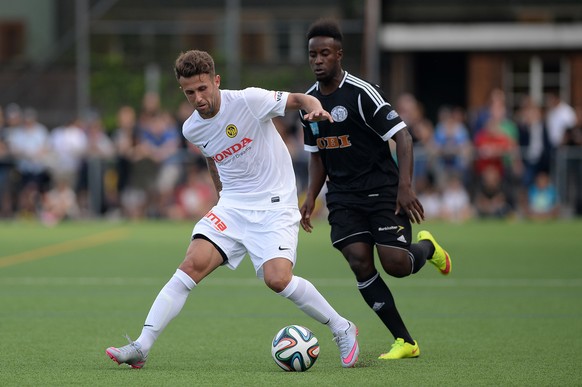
(369, 196)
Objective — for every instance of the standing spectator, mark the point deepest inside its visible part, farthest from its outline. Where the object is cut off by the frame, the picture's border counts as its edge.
(5, 169)
(559, 117)
(124, 141)
(422, 131)
(91, 189)
(534, 142)
(453, 144)
(494, 147)
(29, 143)
(159, 143)
(495, 107)
(573, 141)
(69, 145)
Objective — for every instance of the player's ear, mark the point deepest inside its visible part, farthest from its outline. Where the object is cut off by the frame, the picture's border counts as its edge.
(340, 53)
(217, 80)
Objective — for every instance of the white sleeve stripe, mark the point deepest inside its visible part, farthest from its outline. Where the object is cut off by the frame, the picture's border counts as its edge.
(393, 131)
(372, 93)
(310, 148)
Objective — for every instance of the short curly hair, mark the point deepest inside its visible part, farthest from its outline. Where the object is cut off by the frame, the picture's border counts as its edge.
(194, 62)
(325, 27)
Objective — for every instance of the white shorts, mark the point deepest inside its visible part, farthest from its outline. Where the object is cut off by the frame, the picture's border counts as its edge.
(264, 234)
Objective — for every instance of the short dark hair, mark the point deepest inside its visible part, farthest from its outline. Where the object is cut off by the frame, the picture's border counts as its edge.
(193, 62)
(325, 27)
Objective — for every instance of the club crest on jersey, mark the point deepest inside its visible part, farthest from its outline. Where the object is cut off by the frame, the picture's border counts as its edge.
(392, 115)
(339, 113)
(231, 131)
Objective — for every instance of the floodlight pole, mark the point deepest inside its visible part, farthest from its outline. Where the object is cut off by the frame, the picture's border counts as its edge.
(372, 18)
(82, 52)
(232, 43)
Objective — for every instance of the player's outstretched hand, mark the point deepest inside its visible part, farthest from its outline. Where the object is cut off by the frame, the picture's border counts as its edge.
(318, 115)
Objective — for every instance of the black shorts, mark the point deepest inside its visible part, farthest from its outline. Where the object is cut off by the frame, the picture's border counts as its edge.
(372, 222)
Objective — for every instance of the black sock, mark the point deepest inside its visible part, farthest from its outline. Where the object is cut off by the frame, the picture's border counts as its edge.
(379, 298)
(421, 251)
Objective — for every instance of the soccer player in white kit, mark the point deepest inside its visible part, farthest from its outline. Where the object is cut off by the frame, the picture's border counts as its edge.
(257, 211)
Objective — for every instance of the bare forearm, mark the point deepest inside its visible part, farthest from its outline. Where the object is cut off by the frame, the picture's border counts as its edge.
(214, 175)
(405, 154)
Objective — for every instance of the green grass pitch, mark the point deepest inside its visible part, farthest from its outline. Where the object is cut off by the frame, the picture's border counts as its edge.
(509, 314)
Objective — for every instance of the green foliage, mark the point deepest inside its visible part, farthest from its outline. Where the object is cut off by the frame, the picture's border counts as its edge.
(114, 84)
(509, 314)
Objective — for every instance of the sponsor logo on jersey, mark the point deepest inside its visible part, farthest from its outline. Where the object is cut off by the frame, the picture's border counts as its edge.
(402, 239)
(278, 95)
(314, 128)
(392, 115)
(233, 150)
(339, 113)
(334, 142)
(216, 221)
(231, 131)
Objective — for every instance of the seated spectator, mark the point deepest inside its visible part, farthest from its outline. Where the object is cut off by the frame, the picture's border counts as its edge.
(429, 195)
(195, 197)
(456, 202)
(59, 203)
(542, 201)
(492, 198)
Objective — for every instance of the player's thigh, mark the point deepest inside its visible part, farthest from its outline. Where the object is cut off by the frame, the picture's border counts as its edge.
(348, 225)
(224, 228)
(272, 234)
(390, 229)
(202, 258)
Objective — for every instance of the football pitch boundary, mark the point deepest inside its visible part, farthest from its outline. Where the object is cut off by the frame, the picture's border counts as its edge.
(324, 282)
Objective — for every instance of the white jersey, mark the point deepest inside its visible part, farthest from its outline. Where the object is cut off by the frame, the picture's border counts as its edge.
(253, 162)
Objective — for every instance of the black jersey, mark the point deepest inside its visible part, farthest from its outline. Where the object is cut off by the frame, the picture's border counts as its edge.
(354, 148)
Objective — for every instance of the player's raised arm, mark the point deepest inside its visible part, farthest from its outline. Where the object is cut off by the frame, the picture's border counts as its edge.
(310, 104)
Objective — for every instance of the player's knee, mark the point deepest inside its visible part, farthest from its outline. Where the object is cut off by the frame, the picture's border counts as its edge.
(362, 268)
(397, 267)
(277, 283)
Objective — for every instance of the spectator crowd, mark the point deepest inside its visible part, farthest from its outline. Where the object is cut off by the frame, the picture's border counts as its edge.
(490, 163)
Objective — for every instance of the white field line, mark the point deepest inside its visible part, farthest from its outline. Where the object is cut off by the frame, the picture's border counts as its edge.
(327, 282)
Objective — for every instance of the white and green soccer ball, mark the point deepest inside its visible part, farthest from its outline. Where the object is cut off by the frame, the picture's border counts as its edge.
(295, 348)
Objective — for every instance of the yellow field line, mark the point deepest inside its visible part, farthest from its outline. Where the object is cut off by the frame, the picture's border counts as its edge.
(65, 247)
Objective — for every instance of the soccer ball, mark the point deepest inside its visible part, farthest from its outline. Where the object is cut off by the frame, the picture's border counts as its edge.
(295, 348)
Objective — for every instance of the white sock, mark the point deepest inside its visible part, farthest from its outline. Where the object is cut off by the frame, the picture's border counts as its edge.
(310, 301)
(167, 305)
